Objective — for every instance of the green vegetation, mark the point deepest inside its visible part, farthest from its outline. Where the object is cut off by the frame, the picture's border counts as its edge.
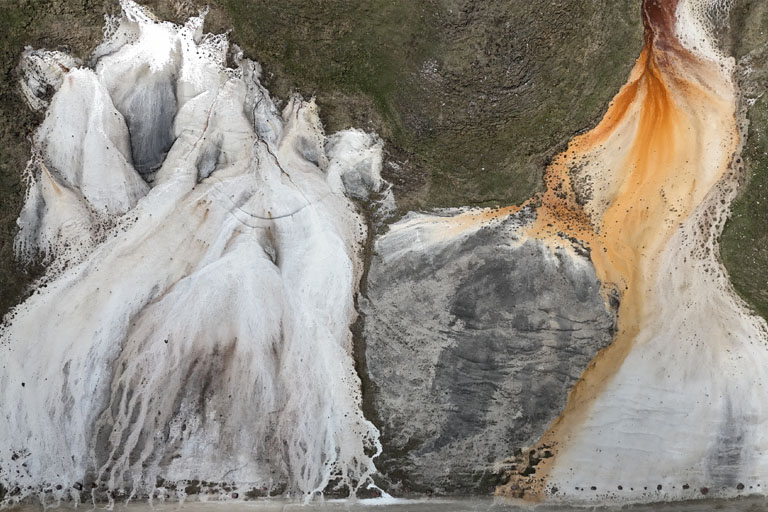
(44, 23)
(471, 98)
(744, 243)
(745, 237)
(336, 47)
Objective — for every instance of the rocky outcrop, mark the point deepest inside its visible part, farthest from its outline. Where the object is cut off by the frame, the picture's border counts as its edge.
(472, 343)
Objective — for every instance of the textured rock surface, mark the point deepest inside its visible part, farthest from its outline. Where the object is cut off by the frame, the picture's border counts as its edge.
(472, 343)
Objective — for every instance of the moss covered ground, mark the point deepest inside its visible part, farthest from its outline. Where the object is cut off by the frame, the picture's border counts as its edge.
(471, 98)
(744, 242)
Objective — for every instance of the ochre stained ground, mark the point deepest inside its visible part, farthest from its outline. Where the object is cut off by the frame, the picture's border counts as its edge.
(653, 159)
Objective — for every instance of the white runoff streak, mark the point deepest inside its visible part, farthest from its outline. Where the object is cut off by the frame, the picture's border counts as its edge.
(204, 258)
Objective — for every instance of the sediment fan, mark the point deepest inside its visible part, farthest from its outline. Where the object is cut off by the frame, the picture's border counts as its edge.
(193, 326)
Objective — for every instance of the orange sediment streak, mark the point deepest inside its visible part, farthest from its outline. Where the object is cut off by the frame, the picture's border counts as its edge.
(451, 227)
(55, 187)
(472, 217)
(646, 161)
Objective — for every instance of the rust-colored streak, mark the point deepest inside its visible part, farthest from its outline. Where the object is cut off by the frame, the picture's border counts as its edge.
(646, 156)
(54, 186)
(451, 227)
(659, 21)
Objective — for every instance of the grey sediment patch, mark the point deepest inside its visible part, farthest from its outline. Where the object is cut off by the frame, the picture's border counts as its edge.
(471, 348)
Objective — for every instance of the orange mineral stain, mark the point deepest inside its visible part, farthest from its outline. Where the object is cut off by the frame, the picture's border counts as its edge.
(623, 189)
(54, 186)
